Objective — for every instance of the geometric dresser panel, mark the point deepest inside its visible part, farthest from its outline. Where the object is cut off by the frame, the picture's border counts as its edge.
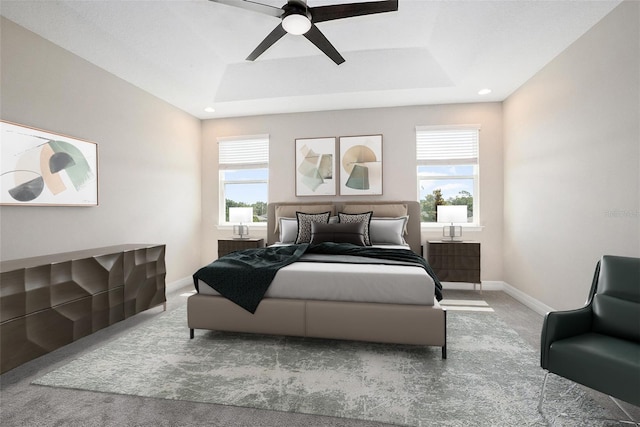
(49, 301)
(144, 279)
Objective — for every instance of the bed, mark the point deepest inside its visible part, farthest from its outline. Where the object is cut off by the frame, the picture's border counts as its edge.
(394, 308)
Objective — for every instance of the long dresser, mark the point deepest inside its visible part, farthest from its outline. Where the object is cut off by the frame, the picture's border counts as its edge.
(49, 301)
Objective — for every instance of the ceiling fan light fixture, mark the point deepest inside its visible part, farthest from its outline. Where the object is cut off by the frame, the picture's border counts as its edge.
(298, 18)
(296, 24)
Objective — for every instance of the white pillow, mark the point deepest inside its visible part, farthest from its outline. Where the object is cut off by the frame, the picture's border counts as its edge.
(387, 231)
(288, 230)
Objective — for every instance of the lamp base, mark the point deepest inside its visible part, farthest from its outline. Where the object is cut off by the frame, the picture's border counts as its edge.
(452, 231)
(242, 231)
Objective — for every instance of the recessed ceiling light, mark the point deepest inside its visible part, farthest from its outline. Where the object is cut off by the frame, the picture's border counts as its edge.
(484, 91)
(210, 109)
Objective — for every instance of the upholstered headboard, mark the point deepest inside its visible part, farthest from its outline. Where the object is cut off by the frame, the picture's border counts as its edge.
(380, 209)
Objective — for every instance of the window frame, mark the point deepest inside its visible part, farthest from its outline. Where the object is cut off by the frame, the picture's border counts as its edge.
(231, 162)
(471, 158)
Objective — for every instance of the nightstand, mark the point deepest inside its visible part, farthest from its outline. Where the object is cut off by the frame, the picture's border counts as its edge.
(455, 261)
(226, 246)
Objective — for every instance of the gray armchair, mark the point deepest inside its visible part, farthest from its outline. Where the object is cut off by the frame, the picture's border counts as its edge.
(598, 345)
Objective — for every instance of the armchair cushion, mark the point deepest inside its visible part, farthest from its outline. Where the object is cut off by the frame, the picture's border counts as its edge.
(601, 362)
(616, 317)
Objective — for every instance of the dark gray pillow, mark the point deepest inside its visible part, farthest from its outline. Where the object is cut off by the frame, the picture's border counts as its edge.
(304, 224)
(364, 217)
(352, 232)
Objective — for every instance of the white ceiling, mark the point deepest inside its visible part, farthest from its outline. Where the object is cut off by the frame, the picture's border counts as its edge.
(191, 52)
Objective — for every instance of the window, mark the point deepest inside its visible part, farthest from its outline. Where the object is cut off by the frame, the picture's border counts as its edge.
(447, 161)
(244, 175)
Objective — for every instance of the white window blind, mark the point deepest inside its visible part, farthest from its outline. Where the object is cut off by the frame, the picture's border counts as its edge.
(447, 146)
(244, 153)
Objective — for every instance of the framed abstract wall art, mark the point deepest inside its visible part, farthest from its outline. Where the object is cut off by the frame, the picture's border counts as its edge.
(361, 165)
(315, 167)
(40, 168)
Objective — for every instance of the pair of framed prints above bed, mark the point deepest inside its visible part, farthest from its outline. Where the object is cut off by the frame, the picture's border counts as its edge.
(357, 170)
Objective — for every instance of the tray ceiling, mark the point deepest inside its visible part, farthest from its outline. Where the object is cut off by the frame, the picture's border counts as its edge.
(191, 53)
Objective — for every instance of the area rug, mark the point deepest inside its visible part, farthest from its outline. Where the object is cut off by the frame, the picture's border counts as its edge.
(490, 378)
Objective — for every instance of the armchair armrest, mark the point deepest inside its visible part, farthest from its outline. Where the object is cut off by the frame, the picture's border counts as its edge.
(558, 325)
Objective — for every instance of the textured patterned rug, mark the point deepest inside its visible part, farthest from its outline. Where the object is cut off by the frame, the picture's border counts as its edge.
(491, 376)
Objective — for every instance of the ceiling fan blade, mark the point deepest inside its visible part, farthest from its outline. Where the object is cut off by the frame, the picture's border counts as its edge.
(251, 5)
(273, 37)
(316, 37)
(339, 11)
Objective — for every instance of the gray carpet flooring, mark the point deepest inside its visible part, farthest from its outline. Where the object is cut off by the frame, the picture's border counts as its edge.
(23, 404)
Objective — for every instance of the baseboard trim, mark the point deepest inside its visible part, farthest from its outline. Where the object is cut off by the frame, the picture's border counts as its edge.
(535, 305)
(498, 285)
(487, 285)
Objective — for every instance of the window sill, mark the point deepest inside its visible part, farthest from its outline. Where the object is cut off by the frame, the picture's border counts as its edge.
(437, 228)
(262, 226)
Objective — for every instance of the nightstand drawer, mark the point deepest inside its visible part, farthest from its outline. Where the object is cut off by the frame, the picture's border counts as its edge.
(448, 275)
(455, 262)
(454, 249)
(226, 246)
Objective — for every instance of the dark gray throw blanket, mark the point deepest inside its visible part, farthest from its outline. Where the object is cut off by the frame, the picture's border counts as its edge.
(244, 276)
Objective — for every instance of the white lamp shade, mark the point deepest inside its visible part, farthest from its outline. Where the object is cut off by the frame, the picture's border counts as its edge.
(241, 215)
(296, 24)
(452, 214)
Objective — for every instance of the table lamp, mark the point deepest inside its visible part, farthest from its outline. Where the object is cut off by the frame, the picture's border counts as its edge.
(452, 214)
(240, 216)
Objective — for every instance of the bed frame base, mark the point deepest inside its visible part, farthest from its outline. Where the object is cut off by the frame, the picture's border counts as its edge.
(384, 323)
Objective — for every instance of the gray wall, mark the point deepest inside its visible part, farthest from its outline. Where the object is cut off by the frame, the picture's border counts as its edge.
(397, 125)
(571, 162)
(148, 151)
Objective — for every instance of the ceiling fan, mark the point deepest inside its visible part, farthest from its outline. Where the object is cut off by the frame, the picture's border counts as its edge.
(300, 19)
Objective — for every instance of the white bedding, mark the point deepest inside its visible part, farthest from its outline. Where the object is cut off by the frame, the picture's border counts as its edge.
(390, 284)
